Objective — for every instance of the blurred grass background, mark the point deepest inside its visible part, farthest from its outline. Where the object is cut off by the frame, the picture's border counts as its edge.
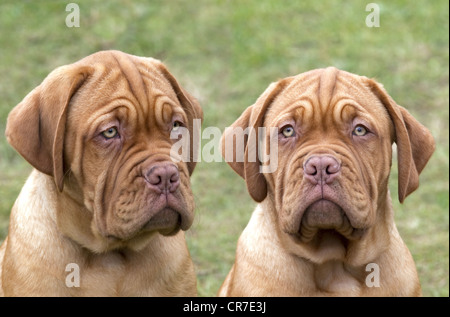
(226, 53)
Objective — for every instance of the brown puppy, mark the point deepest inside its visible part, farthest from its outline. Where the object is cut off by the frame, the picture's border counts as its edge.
(325, 224)
(104, 210)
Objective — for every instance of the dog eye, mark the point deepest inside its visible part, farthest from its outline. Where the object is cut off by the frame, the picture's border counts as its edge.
(360, 130)
(176, 125)
(288, 131)
(110, 133)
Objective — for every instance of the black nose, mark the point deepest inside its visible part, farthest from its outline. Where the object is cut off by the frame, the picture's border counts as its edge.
(163, 178)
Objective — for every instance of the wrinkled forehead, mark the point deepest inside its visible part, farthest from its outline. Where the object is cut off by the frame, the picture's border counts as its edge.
(130, 84)
(328, 93)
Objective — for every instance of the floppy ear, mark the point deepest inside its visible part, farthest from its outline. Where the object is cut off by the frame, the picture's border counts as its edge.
(415, 144)
(244, 156)
(36, 126)
(193, 110)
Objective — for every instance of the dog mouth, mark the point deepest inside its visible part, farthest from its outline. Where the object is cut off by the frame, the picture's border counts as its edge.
(324, 218)
(166, 214)
(167, 222)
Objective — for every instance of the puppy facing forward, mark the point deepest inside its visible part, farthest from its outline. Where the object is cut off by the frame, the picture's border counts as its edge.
(104, 211)
(324, 225)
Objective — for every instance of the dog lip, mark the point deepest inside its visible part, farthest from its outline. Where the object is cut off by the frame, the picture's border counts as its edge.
(163, 213)
(170, 215)
(324, 214)
(167, 221)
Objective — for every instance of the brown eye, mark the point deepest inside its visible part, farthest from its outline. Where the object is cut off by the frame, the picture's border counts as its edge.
(360, 130)
(288, 131)
(110, 133)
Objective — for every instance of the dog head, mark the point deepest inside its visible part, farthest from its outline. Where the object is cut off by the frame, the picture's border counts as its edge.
(101, 127)
(335, 132)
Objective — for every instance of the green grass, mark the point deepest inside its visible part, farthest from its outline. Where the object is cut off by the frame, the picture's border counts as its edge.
(226, 53)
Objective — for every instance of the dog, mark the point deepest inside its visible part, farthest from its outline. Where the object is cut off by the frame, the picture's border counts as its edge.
(105, 208)
(324, 225)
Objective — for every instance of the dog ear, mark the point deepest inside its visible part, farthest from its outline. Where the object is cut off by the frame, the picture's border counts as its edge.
(239, 142)
(193, 110)
(36, 126)
(415, 144)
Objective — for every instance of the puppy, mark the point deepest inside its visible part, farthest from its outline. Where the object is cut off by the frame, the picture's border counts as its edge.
(104, 211)
(324, 225)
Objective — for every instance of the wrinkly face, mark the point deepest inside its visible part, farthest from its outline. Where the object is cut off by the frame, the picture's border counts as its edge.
(117, 146)
(334, 157)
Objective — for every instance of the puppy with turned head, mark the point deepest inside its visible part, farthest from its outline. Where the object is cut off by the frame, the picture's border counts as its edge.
(325, 220)
(105, 193)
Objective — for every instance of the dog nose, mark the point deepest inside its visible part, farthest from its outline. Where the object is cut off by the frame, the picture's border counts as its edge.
(164, 178)
(321, 169)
